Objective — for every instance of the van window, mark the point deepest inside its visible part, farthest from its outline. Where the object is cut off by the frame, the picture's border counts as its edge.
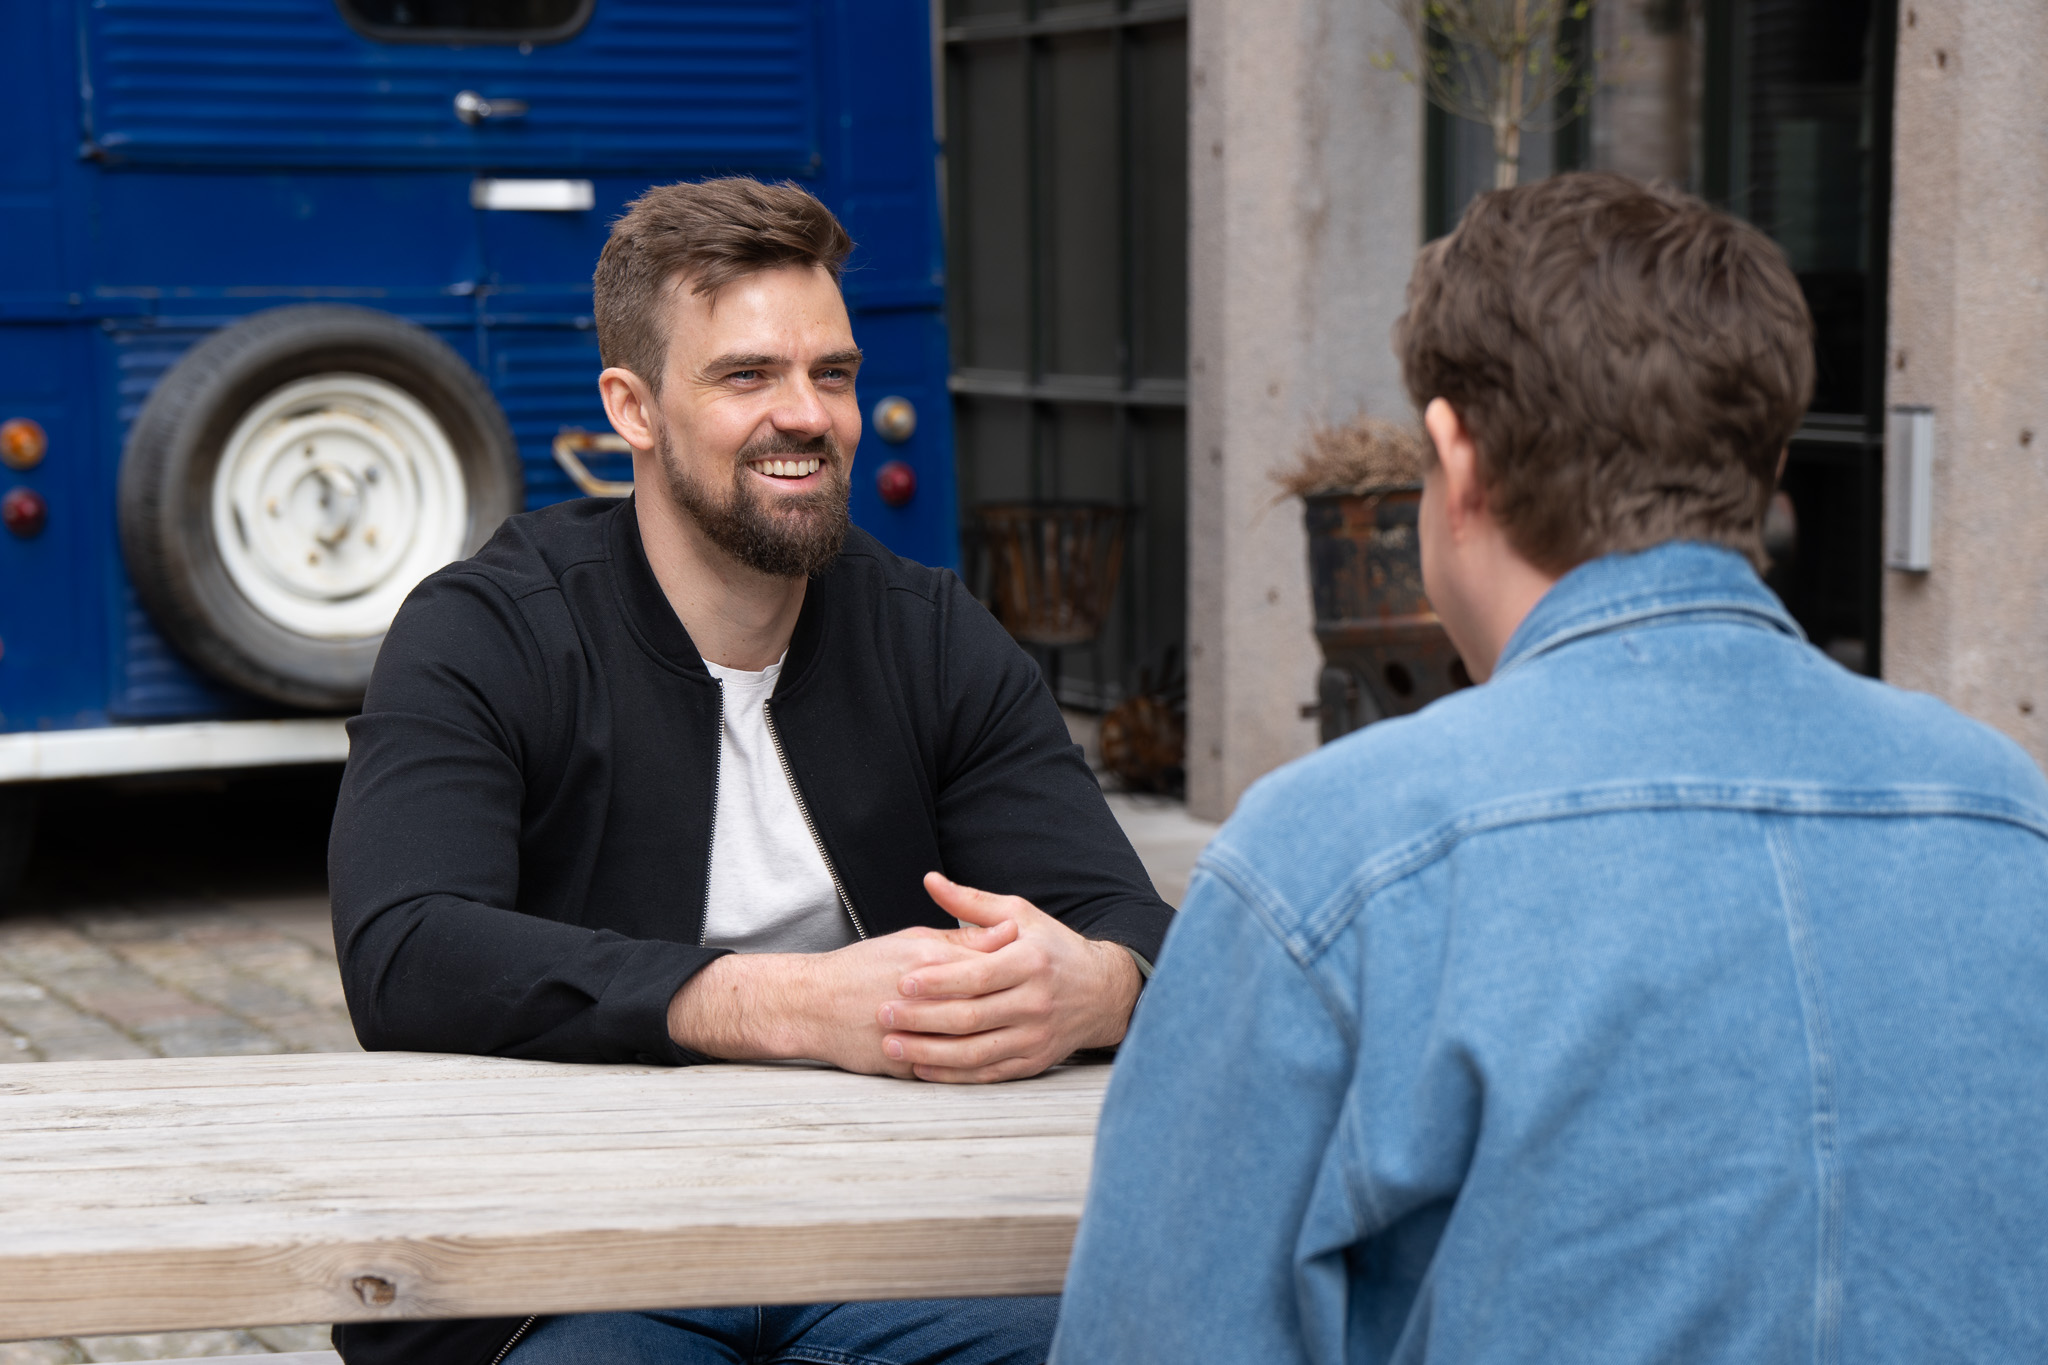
(466, 21)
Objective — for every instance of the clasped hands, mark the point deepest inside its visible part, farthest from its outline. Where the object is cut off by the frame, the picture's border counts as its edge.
(1006, 995)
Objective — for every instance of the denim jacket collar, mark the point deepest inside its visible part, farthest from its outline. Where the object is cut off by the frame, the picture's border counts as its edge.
(1679, 578)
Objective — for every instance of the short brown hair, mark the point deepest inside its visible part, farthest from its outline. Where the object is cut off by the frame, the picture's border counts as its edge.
(709, 233)
(1630, 363)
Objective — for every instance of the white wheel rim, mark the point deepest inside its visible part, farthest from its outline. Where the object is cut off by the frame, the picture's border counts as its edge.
(334, 497)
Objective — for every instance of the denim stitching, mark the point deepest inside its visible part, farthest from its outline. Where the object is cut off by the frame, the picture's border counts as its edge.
(1360, 1184)
(1269, 909)
(1320, 925)
(1827, 1286)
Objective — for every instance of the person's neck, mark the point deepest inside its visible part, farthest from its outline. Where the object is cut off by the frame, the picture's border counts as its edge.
(1513, 588)
(736, 616)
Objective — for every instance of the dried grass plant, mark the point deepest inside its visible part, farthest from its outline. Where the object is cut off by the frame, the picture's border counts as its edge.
(1363, 455)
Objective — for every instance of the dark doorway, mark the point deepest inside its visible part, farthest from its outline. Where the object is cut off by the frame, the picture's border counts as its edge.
(1780, 111)
(1066, 167)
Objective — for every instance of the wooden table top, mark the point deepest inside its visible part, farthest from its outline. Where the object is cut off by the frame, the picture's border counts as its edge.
(196, 1192)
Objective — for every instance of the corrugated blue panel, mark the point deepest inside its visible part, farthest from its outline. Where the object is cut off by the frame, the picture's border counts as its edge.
(647, 83)
(152, 680)
(157, 684)
(545, 378)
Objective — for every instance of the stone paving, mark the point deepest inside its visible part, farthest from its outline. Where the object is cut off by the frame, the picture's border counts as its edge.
(207, 934)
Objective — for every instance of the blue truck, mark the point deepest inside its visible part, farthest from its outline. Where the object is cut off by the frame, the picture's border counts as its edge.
(295, 308)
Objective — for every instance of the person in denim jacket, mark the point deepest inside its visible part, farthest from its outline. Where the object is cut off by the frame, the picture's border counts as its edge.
(1675, 995)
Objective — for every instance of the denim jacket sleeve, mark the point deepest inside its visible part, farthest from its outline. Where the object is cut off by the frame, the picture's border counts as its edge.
(1226, 1096)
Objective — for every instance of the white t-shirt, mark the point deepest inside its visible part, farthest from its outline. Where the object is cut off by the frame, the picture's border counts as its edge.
(770, 889)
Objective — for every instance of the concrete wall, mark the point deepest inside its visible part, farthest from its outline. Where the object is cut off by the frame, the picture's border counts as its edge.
(1305, 204)
(1969, 337)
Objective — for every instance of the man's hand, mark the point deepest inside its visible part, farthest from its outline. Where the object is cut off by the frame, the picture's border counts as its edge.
(1012, 1009)
(764, 1006)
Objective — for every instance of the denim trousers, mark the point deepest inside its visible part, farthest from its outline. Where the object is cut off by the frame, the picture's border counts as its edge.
(1010, 1331)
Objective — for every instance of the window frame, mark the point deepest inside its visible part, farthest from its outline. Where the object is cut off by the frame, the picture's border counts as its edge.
(467, 37)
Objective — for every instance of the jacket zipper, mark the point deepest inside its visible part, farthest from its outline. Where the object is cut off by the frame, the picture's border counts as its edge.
(803, 809)
(517, 1337)
(711, 843)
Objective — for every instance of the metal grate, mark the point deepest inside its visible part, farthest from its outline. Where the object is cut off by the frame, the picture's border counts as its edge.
(1066, 163)
(646, 84)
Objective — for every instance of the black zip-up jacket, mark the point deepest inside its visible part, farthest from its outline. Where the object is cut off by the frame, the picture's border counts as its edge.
(520, 856)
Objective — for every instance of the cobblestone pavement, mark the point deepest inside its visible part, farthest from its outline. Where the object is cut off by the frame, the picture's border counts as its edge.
(169, 922)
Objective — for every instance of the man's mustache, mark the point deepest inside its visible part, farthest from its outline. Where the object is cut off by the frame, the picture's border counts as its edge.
(821, 447)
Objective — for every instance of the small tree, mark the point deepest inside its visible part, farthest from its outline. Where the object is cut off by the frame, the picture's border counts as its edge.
(1502, 63)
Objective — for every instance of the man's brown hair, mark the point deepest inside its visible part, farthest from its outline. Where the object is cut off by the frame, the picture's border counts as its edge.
(709, 234)
(1629, 361)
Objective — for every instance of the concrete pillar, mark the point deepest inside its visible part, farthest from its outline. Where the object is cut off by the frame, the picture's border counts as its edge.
(1305, 205)
(1969, 338)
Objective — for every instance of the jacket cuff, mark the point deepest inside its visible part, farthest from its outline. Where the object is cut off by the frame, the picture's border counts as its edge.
(638, 998)
(1140, 928)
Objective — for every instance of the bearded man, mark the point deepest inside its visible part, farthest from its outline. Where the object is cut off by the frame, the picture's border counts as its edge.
(684, 778)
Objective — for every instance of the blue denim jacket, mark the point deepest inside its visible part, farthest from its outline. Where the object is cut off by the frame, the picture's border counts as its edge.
(1677, 996)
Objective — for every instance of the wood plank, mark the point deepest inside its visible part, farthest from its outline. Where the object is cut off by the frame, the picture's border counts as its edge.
(173, 1194)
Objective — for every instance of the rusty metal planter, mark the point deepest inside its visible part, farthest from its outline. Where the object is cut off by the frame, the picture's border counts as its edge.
(1384, 651)
(1053, 567)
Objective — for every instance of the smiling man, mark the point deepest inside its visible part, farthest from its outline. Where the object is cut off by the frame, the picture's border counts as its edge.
(684, 778)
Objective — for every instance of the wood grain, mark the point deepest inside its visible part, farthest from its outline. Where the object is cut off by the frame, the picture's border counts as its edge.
(173, 1194)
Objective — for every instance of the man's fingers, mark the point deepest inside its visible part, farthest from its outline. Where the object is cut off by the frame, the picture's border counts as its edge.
(1015, 1069)
(975, 1052)
(1014, 1008)
(974, 906)
(980, 938)
(982, 974)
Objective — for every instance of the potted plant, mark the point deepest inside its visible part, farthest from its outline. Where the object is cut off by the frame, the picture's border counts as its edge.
(1385, 653)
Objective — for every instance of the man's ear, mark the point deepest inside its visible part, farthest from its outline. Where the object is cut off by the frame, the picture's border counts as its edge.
(630, 406)
(1458, 457)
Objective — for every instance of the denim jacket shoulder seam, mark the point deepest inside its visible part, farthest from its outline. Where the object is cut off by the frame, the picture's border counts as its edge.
(1320, 926)
(1269, 909)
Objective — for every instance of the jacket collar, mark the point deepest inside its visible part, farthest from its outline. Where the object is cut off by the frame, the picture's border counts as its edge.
(661, 631)
(1678, 578)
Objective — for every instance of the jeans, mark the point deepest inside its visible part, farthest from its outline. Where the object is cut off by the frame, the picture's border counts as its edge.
(1016, 1331)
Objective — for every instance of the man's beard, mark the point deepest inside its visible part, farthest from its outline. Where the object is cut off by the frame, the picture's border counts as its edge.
(784, 537)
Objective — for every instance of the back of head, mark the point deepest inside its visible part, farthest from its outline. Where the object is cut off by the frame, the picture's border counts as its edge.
(1629, 361)
(707, 233)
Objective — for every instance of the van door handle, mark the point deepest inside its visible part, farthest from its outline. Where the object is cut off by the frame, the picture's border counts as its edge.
(473, 108)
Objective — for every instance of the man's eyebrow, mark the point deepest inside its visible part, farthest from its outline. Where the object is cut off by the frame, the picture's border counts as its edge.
(852, 357)
(737, 360)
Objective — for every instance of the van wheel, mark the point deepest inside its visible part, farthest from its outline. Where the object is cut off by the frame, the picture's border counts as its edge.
(292, 478)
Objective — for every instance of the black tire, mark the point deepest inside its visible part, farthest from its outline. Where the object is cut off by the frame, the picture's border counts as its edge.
(175, 447)
(17, 836)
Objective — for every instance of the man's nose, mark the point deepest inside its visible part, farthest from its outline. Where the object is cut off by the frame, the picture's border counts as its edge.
(802, 410)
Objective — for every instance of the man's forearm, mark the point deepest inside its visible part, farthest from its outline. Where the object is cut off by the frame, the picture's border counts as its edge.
(746, 1007)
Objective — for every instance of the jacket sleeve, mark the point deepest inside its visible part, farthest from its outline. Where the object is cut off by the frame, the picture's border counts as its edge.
(1210, 1160)
(424, 858)
(1019, 813)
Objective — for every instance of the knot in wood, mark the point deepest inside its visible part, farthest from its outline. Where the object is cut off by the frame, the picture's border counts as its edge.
(375, 1290)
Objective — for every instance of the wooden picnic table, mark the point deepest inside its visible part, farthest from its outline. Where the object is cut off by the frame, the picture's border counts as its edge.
(184, 1193)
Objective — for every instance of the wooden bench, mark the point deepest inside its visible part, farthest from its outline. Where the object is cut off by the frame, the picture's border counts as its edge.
(188, 1193)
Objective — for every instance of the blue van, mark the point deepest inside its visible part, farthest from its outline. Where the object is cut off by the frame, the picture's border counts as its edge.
(295, 308)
